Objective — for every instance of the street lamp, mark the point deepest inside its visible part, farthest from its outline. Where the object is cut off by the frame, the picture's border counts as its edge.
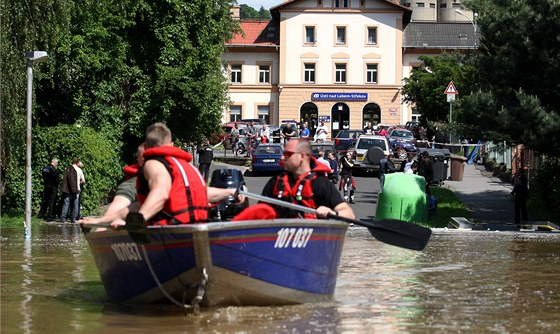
(475, 15)
(32, 57)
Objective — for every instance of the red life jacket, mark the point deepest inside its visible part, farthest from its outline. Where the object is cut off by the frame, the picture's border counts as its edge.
(187, 202)
(302, 192)
(131, 171)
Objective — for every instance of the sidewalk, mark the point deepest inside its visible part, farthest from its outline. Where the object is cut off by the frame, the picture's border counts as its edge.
(486, 196)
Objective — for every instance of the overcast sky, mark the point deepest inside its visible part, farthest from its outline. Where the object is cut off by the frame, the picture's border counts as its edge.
(258, 3)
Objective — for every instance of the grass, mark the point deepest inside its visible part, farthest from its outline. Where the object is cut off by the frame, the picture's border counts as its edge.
(16, 220)
(448, 206)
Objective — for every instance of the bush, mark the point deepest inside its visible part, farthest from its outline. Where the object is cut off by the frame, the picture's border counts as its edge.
(102, 168)
(545, 190)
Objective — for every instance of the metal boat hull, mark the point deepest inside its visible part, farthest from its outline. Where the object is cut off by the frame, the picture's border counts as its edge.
(278, 262)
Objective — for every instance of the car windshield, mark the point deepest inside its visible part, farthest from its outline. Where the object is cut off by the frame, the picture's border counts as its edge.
(366, 143)
(269, 150)
(401, 134)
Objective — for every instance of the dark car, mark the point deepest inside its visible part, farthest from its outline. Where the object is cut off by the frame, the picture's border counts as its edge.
(401, 141)
(345, 140)
(267, 158)
(326, 147)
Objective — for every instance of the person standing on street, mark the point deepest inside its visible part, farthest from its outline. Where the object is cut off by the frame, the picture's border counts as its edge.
(386, 166)
(81, 182)
(521, 194)
(51, 180)
(205, 155)
(70, 192)
(426, 170)
(303, 182)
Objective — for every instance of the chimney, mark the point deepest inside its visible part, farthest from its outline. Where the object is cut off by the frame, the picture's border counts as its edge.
(235, 12)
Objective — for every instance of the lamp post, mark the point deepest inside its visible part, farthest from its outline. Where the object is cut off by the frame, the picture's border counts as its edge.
(32, 57)
(475, 15)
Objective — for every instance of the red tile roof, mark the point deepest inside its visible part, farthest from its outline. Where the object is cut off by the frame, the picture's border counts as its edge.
(256, 32)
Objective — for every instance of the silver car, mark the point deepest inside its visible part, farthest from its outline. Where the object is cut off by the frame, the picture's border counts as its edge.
(369, 151)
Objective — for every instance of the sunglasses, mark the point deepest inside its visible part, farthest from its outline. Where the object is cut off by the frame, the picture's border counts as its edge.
(288, 154)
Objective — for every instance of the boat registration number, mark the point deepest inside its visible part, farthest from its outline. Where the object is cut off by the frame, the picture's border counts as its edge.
(269, 160)
(126, 251)
(293, 237)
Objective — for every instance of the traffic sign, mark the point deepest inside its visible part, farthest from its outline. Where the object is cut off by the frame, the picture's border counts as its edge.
(451, 89)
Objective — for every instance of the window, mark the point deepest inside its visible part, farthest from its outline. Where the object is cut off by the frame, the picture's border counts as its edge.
(371, 73)
(234, 113)
(442, 5)
(340, 35)
(341, 3)
(340, 73)
(310, 35)
(372, 36)
(235, 70)
(432, 5)
(264, 113)
(264, 73)
(309, 73)
(420, 4)
(456, 5)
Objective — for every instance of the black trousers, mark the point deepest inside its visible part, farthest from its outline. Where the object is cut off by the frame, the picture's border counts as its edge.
(49, 200)
(204, 169)
(520, 209)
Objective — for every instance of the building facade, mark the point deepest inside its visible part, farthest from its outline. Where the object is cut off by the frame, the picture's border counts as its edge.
(338, 61)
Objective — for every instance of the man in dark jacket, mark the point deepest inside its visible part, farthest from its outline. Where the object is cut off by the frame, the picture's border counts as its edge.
(50, 190)
(70, 192)
(426, 170)
(386, 166)
(205, 155)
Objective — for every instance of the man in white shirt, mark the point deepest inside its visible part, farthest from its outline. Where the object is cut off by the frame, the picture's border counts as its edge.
(81, 179)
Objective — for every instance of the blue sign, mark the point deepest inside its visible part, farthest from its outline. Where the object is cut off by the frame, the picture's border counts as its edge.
(339, 96)
(326, 119)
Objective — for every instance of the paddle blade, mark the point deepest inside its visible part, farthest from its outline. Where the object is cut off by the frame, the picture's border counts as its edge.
(400, 233)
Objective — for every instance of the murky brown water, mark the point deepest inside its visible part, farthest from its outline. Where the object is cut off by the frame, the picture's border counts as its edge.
(464, 282)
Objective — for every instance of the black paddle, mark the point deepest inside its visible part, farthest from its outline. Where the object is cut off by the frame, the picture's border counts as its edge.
(391, 231)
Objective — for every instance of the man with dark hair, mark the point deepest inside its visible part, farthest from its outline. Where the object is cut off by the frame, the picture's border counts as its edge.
(303, 182)
(70, 192)
(426, 170)
(205, 155)
(50, 190)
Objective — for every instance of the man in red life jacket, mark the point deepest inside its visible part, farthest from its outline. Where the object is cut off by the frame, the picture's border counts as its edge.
(304, 183)
(170, 190)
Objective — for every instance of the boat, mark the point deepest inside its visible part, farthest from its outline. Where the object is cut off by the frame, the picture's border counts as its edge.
(263, 262)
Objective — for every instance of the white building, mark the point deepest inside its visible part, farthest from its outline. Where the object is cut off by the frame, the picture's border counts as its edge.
(341, 61)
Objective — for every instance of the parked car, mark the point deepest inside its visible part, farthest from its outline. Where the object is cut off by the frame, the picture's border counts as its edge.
(402, 142)
(345, 140)
(267, 158)
(369, 151)
(278, 133)
(326, 147)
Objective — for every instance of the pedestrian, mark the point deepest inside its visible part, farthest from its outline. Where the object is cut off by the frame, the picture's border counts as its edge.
(205, 155)
(288, 133)
(234, 138)
(321, 133)
(521, 195)
(386, 166)
(170, 190)
(368, 130)
(251, 133)
(304, 133)
(70, 192)
(406, 166)
(426, 170)
(303, 182)
(346, 166)
(81, 182)
(51, 180)
(321, 159)
(333, 161)
(382, 131)
(265, 134)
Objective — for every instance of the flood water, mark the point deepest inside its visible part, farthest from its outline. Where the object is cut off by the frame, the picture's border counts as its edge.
(463, 282)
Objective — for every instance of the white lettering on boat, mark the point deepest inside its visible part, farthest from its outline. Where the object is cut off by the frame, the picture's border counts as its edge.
(294, 237)
(126, 251)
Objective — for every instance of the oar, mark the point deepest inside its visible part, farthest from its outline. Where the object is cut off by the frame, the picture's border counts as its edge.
(391, 231)
(135, 226)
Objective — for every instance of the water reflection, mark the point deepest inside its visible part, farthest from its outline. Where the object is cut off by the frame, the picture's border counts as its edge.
(464, 282)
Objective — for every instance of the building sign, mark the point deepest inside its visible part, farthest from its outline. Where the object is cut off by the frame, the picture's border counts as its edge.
(339, 96)
(393, 111)
(326, 119)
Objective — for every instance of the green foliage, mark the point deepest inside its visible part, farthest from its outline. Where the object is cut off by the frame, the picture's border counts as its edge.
(247, 12)
(519, 63)
(426, 85)
(99, 155)
(545, 190)
(448, 206)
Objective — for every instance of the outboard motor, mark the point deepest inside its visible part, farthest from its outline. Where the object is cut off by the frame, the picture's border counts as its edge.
(228, 178)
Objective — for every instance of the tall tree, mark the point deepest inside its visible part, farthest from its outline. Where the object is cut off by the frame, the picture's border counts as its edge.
(520, 61)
